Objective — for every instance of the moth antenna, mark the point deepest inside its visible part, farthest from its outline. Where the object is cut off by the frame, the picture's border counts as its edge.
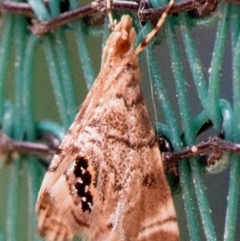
(111, 26)
(110, 17)
(148, 38)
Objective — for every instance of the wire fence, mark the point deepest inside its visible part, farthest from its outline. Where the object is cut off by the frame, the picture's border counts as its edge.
(39, 75)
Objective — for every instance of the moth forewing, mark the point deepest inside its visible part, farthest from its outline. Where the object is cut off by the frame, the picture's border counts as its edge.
(107, 179)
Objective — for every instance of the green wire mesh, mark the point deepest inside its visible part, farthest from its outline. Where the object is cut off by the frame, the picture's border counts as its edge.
(21, 57)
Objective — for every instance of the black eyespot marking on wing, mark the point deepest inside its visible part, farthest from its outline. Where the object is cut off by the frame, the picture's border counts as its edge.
(80, 189)
(84, 179)
(87, 202)
(81, 165)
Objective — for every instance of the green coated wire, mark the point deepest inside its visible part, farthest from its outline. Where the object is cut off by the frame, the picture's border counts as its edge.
(83, 53)
(216, 67)
(233, 200)
(67, 78)
(52, 128)
(60, 73)
(12, 211)
(54, 6)
(189, 135)
(236, 72)
(39, 9)
(27, 108)
(158, 85)
(27, 99)
(162, 96)
(56, 78)
(20, 46)
(187, 124)
(54, 67)
(12, 203)
(234, 182)
(200, 120)
(7, 120)
(193, 60)
(177, 69)
(5, 50)
(235, 24)
(227, 114)
(34, 179)
(64, 64)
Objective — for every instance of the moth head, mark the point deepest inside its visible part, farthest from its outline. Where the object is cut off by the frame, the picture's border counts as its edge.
(122, 38)
(127, 35)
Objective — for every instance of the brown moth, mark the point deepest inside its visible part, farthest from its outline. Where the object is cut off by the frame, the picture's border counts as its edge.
(106, 180)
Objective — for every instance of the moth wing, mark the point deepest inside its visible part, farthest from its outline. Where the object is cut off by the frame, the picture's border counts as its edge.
(137, 203)
(54, 202)
(56, 210)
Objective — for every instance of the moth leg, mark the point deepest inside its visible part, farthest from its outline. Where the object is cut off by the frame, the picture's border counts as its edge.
(147, 39)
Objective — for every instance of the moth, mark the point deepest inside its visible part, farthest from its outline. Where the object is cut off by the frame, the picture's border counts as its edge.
(106, 180)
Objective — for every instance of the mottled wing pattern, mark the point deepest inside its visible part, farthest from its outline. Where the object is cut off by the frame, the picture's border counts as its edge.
(107, 179)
